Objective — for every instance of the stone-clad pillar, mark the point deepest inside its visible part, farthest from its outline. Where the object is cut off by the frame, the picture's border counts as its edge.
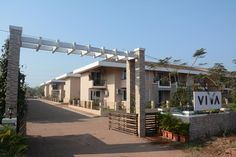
(13, 70)
(130, 84)
(140, 89)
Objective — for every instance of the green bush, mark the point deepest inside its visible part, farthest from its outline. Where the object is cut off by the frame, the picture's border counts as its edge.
(234, 95)
(170, 123)
(164, 120)
(232, 106)
(183, 129)
(12, 144)
(176, 128)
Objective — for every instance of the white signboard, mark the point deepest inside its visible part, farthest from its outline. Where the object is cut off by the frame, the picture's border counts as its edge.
(206, 100)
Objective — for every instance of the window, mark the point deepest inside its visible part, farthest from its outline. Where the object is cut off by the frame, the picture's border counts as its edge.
(123, 94)
(174, 79)
(155, 77)
(98, 94)
(123, 75)
(54, 86)
(95, 95)
(95, 75)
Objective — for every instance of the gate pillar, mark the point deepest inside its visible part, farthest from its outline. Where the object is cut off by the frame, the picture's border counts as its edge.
(140, 89)
(12, 74)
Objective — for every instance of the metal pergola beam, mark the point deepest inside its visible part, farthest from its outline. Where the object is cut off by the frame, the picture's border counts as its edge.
(73, 48)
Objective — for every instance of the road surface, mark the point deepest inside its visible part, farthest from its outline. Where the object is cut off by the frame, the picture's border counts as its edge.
(56, 132)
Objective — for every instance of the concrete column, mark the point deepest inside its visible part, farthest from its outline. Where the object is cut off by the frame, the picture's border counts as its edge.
(115, 106)
(91, 104)
(130, 84)
(46, 90)
(101, 108)
(140, 89)
(152, 104)
(13, 70)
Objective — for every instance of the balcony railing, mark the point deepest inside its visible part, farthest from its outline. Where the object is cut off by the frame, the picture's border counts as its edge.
(227, 87)
(101, 83)
(164, 84)
(55, 92)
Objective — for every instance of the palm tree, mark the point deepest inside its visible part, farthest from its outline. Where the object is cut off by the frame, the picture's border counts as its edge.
(200, 53)
(234, 61)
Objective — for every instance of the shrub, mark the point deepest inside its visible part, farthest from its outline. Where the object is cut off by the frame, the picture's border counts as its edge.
(183, 129)
(164, 120)
(75, 101)
(170, 123)
(234, 95)
(12, 144)
(232, 107)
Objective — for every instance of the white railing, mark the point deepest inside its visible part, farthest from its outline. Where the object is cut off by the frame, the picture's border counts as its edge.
(164, 85)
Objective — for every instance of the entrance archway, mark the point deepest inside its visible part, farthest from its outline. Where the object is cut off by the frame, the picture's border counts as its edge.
(135, 67)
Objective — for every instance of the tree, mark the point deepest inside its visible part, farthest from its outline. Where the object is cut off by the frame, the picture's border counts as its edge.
(181, 98)
(184, 96)
(234, 61)
(200, 53)
(3, 77)
(233, 94)
(36, 91)
(218, 76)
(167, 62)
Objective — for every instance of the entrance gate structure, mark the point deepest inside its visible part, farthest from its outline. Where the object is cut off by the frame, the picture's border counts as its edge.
(135, 67)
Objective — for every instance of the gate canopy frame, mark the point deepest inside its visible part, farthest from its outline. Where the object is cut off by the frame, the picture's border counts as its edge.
(135, 66)
(74, 48)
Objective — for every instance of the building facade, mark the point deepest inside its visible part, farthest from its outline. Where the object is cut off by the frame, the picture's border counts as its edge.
(54, 90)
(105, 81)
(71, 86)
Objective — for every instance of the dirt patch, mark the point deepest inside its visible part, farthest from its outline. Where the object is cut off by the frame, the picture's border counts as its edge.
(214, 147)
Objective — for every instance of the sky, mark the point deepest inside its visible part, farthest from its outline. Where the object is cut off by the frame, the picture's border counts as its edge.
(163, 27)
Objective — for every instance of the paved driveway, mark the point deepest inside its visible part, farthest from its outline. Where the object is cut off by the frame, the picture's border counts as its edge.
(56, 132)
